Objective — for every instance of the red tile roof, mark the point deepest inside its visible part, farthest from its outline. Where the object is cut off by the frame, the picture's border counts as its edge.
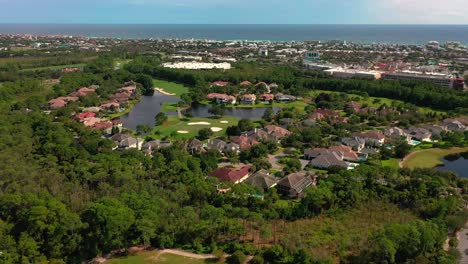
(220, 83)
(231, 174)
(83, 116)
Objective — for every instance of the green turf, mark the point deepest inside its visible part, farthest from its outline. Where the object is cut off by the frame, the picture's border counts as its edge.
(392, 163)
(430, 158)
(174, 124)
(151, 257)
(58, 67)
(171, 87)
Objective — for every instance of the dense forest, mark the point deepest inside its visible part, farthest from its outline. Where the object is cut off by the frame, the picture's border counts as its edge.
(67, 197)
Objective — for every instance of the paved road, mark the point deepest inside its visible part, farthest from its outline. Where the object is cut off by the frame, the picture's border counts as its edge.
(463, 245)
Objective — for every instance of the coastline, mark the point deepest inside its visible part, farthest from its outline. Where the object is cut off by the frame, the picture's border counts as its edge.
(406, 34)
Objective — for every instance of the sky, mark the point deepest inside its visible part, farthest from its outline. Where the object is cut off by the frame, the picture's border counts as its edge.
(235, 11)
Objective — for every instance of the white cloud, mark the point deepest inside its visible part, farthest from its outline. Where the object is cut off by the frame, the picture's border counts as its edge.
(421, 11)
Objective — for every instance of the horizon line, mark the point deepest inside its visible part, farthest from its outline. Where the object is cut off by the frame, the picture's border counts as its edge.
(227, 24)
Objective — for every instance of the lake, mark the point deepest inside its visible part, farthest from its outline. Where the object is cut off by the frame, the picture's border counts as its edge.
(457, 163)
(143, 112)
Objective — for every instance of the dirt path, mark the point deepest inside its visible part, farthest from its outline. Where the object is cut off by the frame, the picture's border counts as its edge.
(186, 254)
(463, 245)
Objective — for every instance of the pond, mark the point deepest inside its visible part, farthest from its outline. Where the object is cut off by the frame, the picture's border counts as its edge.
(457, 163)
(143, 112)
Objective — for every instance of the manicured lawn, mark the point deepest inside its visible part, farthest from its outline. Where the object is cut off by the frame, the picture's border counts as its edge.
(169, 107)
(300, 105)
(429, 158)
(151, 257)
(58, 67)
(170, 87)
(392, 163)
(174, 124)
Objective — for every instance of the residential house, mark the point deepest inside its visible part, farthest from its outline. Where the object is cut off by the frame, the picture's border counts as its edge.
(119, 137)
(354, 106)
(436, 129)
(105, 127)
(249, 99)
(339, 155)
(348, 153)
(132, 90)
(57, 103)
(312, 153)
(220, 83)
(455, 125)
(294, 184)
(121, 97)
(276, 132)
(84, 91)
(222, 146)
(357, 144)
(320, 114)
(328, 159)
(216, 144)
(396, 134)
(419, 133)
(82, 116)
(111, 106)
(91, 121)
(372, 138)
(245, 83)
(244, 142)
(285, 98)
(231, 147)
(151, 146)
(195, 146)
(131, 142)
(267, 97)
(221, 98)
(262, 179)
(93, 109)
(233, 175)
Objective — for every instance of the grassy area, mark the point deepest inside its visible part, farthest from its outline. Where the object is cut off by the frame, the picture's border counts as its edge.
(171, 87)
(392, 163)
(53, 68)
(375, 101)
(429, 158)
(151, 257)
(174, 124)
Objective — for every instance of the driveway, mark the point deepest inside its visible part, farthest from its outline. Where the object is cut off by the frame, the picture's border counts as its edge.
(463, 245)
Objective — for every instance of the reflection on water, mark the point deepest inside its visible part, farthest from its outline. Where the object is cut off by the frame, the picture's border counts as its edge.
(457, 163)
(143, 112)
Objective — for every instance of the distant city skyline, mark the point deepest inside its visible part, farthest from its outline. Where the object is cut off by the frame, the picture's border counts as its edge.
(235, 11)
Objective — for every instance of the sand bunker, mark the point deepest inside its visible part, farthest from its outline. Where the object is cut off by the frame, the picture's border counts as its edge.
(164, 92)
(224, 122)
(199, 124)
(182, 132)
(216, 129)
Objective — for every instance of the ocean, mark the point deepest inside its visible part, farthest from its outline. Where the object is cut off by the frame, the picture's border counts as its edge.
(389, 34)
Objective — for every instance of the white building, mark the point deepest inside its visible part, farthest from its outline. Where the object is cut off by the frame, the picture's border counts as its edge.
(342, 73)
(197, 65)
(263, 52)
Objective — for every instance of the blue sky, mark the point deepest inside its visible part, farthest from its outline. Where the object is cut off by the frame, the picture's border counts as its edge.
(235, 11)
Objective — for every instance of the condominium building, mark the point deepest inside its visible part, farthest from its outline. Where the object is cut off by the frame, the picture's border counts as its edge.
(445, 80)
